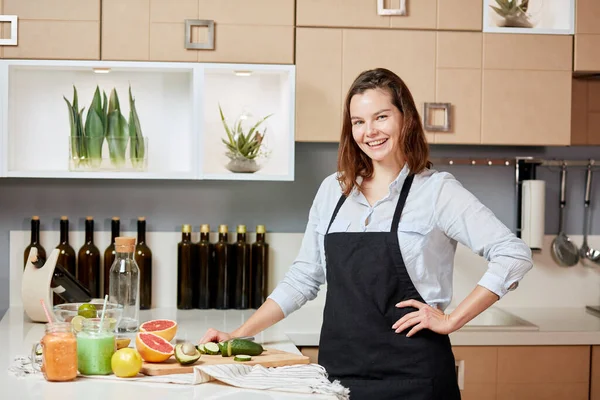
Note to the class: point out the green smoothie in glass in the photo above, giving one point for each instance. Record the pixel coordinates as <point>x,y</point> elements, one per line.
<point>95,347</point>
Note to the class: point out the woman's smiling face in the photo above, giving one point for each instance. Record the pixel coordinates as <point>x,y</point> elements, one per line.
<point>376,125</point>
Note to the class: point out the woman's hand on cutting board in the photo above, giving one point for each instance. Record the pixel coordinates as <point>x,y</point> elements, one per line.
<point>425,317</point>
<point>213,335</point>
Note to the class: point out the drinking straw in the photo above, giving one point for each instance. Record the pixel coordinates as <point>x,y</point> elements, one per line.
<point>103,311</point>
<point>46,311</point>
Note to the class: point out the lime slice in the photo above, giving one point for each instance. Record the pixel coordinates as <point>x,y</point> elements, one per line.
<point>77,323</point>
<point>87,310</point>
<point>112,323</point>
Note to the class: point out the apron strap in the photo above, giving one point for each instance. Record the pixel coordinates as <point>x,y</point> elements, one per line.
<point>401,201</point>
<point>337,208</point>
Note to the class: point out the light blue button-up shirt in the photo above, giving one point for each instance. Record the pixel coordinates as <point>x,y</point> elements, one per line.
<point>439,213</point>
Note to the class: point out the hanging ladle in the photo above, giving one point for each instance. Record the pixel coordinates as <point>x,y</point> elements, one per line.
<point>586,253</point>
<point>564,252</point>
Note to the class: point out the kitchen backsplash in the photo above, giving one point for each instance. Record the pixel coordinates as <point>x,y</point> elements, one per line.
<point>546,285</point>
<point>283,206</point>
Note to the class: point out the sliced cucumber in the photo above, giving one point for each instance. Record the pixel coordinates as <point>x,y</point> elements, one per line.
<point>200,348</point>
<point>183,358</point>
<point>211,348</point>
<point>242,357</point>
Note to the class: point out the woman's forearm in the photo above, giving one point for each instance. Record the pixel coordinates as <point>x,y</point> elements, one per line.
<point>475,303</point>
<point>267,315</point>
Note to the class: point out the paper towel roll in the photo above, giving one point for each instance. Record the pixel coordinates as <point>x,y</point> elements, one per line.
<point>533,207</point>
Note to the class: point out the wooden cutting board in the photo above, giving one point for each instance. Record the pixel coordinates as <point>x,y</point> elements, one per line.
<point>269,358</point>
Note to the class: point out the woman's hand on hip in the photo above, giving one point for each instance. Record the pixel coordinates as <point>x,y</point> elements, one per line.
<point>425,317</point>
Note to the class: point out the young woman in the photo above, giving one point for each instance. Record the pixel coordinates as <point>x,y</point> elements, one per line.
<point>382,233</point>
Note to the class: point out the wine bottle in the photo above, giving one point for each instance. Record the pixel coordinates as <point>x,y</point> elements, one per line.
<point>64,284</point>
<point>205,251</point>
<point>260,268</point>
<point>240,256</point>
<point>223,300</point>
<point>185,269</point>
<point>109,253</point>
<point>66,256</point>
<point>143,258</point>
<point>35,241</point>
<point>88,261</point>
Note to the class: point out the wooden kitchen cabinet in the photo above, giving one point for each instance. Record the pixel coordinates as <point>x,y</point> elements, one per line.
<point>458,82</point>
<point>543,372</point>
<point>244,32</point>
<point>54,29</point>
<point>585,112</point>
<point>526,95</point>
<point>595,374</point>
<point>477,371</point>
<point>318,84</point>
<point>587,36</point>
<point>421,14</point>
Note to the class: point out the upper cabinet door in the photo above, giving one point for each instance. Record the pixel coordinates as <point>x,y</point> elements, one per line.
<point>460,15</point>
<point>419,14</point>
<point>457,116</point>
<point>54,29</point>
<point>318,84</point>
<point>365,13</point>
<point>260,31</point>
<point>526,89</point>
<point>587,36</point>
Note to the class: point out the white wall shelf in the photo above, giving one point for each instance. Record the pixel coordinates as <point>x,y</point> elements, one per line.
<point>177,104</point>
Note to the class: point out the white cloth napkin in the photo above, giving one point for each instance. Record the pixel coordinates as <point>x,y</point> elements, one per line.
<point>305,378</point>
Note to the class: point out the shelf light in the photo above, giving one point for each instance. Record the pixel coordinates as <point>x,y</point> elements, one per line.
<point>99,70</point>
<point>242,73</point>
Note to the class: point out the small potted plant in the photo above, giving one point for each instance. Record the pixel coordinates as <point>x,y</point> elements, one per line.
<point>514,13</point>
<point>245,147</point>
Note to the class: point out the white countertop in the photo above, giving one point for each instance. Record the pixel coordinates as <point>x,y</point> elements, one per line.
<point>18,334</point>
<point>556,326</point>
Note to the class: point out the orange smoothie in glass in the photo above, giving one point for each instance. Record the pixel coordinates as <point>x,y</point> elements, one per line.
<point>59,357</point>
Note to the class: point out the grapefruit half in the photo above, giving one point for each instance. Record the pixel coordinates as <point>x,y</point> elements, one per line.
<point>153,348</point>
<point>165,328</point>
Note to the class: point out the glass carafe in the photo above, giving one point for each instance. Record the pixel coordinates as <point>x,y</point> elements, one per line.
<point>124,284</point>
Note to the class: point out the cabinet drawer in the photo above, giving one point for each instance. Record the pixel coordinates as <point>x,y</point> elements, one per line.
<point>477,366</point>
<point>364,13</point>
<point>513,51</point>
<point>54,29</point>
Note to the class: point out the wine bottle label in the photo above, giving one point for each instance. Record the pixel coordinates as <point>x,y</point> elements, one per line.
<point>59,289</point>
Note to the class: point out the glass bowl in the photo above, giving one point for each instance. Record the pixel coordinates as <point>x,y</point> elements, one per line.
<point>65,312</point>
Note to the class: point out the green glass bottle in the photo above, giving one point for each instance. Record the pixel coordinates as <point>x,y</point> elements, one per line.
<point>240,259</point>
<point>143,258</point>
<point>88,261</point>
<point>223,300</point>
<point>205,251</point>
<point>35,241</point>
<point>259,267</point>
<point>109,253</point>
<point>66,255</point>
<point>185,269</point>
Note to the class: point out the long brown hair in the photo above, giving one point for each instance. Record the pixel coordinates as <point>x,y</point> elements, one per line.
<point>352,161</point>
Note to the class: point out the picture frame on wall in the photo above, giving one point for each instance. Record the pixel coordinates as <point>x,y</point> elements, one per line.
<point>553,17</point>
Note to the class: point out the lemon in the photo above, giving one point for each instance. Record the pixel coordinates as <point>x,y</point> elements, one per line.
<point>87,310</point>
<point>77,323</point>
<point>126,362</point>
<point>122,342</point>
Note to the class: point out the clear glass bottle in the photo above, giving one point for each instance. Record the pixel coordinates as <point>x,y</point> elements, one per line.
<point>124,285</point>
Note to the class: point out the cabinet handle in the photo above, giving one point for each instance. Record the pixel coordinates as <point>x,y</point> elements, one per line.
<point>460,373</point>
<point>12,41</point>
<point>381,10</point>
<point>210,43</point>
<point>447,117</point>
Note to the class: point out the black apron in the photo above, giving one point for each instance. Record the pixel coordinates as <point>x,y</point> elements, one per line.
<point>366,277</point>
